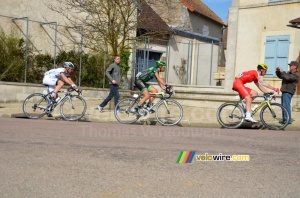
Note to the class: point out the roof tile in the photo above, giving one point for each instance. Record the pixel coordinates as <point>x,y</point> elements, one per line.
<point>297,20</point>
<point>148,19</point>
<point>199,7</point>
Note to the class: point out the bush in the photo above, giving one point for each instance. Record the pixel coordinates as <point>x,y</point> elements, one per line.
<point>12,60</point>
<point>13,63</point>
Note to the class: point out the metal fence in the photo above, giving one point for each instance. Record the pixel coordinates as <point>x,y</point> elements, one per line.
<point>42,36</point>
<point>188,62</point>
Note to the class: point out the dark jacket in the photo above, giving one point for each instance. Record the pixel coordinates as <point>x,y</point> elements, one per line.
<point>289,81</point>
<point>113,72</point>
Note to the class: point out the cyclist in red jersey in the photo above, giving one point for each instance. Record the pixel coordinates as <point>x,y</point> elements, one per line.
<point>249,94</point>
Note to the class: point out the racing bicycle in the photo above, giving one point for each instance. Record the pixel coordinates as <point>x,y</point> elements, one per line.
<point>232,115</point>
<point>72,107</point>
<point>167,112</point>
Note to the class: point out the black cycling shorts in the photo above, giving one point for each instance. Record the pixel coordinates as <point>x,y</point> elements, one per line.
<point>142,86</point>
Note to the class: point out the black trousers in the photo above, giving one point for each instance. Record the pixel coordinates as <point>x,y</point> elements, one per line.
<point>114,92</point>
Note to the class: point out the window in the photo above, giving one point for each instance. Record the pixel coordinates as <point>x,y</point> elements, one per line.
<point>205,30</point>
<point>149,60</point>
<point>277,51</point>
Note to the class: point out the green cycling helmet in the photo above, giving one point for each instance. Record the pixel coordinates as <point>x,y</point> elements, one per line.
<point>160,63</point>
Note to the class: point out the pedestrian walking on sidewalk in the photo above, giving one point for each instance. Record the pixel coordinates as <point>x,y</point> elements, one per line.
<point>113,72</point>
<point>288,86</point>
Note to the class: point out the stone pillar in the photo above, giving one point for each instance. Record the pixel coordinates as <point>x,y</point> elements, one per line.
<point>231,44</point>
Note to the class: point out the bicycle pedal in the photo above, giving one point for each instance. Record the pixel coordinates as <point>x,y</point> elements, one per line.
<point>151,111</point>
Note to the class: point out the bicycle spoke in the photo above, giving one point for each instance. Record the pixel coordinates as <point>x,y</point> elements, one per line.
<point>34,106</point>
<point>169,112</point>
<point>273,119</point>
<point>230,115</point>
<point>124,111</point>
<point>73,108</point>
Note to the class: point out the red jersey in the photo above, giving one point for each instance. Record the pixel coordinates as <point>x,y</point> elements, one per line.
<point>248,76</point>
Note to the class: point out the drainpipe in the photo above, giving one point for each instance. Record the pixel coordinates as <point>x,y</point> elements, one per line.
<point>211,61</point>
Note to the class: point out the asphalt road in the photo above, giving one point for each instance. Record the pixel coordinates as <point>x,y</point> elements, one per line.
<point>48,158</point>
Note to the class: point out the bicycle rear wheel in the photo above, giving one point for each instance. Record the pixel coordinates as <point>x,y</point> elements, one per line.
<point>230,115</point>
<point>168,112</point>
<point>273,118</point>
<point>73,108</point>
<point>34,106</point>
<point>124,111</point>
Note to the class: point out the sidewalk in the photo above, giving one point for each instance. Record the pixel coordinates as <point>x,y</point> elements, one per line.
<point>193,116</point>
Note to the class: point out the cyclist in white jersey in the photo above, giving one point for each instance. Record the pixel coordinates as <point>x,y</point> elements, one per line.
<point>56,78</point>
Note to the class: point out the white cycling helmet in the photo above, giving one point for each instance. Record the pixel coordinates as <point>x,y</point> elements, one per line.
<point>69,65</point>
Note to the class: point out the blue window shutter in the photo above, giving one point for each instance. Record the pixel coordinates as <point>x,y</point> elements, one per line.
<point>277,51</point>
<point>270,54</point>
<point>283,50</point>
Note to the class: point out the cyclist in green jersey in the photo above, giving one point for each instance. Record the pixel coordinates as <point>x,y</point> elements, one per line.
<point>143,77</point>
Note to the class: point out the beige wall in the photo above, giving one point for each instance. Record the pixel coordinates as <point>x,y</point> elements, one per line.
<point>174,13</point>
<point>200,25</point>
<point>252,2</point>
<point>42,37</point>
<point>254,23</point>
<point>201,61</point>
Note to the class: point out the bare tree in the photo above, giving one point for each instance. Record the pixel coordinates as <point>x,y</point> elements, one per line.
<point>111,23</point>
<point>106,24</point>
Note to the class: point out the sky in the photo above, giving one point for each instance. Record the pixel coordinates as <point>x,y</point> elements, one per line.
<point>220,7</point>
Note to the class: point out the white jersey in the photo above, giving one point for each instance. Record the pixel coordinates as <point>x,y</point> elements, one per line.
<point>55,73</point>
<point>52,76</point>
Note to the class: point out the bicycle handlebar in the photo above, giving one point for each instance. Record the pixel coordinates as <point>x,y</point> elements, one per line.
<point>169,90</point>
<point>270,96</point>
<point>70,89</point>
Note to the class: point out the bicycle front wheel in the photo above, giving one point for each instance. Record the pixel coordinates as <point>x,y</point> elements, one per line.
<point>124,111</point>
<point>73,108</point>
<point>34,106</point>
<point>230,116</point>
<point>272,118</point>
<point>168,112</point>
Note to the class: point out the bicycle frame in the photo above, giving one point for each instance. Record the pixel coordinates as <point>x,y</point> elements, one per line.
<point>271,113</point>
<point>72,107</point>
<point>263,103</point>
<point>162,97</point>
<point>67,95</point>
<point>166,111</point>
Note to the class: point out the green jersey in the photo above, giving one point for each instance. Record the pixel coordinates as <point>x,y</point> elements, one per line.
<point>147,74</point>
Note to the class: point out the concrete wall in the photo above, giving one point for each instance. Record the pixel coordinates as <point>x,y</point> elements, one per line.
<point>205,27</point>
<point>205,96</point>
<point>194,62</point>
